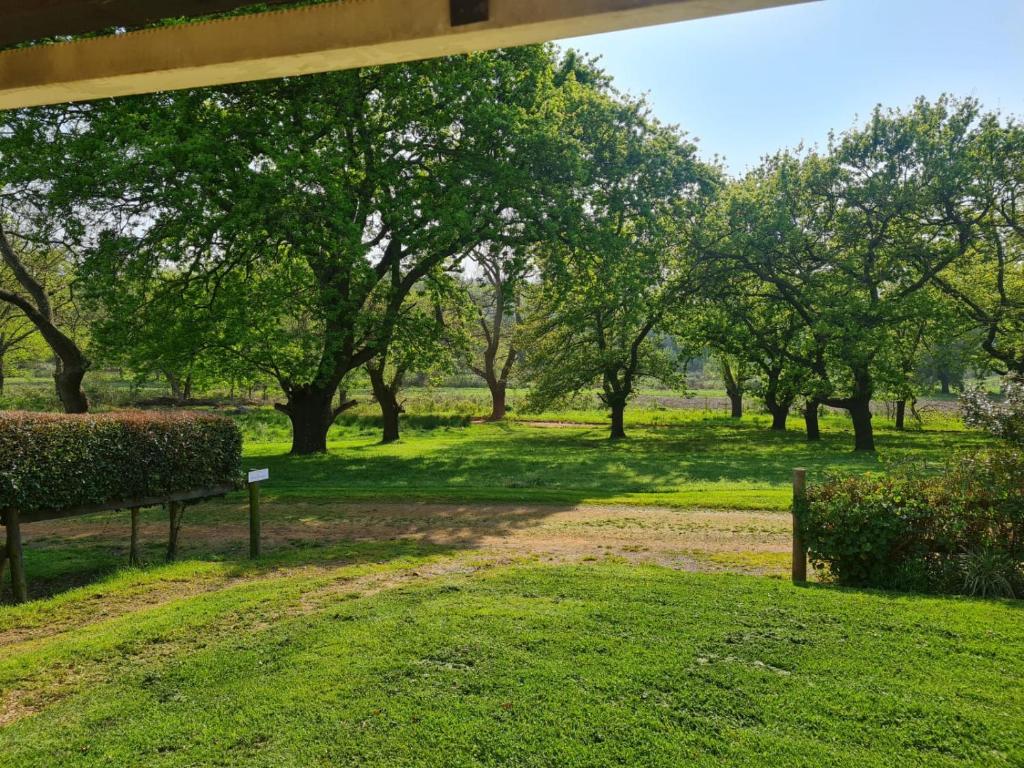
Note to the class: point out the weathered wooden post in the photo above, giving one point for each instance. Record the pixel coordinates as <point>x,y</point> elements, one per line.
<point>15,555</point>
<point>3,566</point>
<point>256,477</point>
<point>133,548</point>
<point>174,512</point>
<point>799,550</point>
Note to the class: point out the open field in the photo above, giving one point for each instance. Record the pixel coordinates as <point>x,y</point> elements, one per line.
<point>509,594</point>
<point>710,462</point>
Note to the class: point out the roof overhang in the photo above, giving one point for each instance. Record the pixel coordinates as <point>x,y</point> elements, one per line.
<point>290,41</point>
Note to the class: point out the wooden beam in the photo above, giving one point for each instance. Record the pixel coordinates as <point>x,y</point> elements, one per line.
<point>316,38</point>
<point>23,22</point>
<point>146,501</point>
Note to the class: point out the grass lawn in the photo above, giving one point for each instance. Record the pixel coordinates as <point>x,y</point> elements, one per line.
<point>695,460</point>
<point>512,665</point>
<point>515,620</point>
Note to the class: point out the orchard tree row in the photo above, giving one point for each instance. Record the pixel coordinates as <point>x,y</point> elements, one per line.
<point>510,212</point>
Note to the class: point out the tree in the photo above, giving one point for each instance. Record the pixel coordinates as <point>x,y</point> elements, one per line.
<point>496,294</point>
<point>17,333</point>
<point>31,295</point>
<point>988,282</point>
<point>622,261</point>
<point>421,342</point>
<point>848,239</point>
<point>748,325</point>
<point>288,207</point>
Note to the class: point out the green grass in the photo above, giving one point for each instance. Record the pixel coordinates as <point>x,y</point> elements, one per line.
<point>403,652</point>
<point>694,460</point>
<point>592,665</point>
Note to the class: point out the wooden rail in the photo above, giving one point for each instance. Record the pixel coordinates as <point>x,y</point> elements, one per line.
<point>12,520</point>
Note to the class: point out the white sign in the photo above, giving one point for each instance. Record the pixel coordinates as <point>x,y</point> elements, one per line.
<point>256,475</point>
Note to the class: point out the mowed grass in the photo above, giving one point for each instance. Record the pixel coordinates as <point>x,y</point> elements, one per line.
<point>521,665</point>
<point>696,460</point>
<point>401,652</point>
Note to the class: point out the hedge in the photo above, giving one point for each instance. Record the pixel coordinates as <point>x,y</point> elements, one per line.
<point>960,530</point>
<point>59,462</point>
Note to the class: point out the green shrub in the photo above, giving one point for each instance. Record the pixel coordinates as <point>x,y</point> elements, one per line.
<point>958,531</point>
<point>54,462</point>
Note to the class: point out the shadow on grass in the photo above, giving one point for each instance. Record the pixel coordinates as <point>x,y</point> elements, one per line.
<point>899,595</point>
<point>573,464</point>
<point>68,554</point>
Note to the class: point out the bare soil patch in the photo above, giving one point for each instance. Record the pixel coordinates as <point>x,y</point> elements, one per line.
<point>689,538</point>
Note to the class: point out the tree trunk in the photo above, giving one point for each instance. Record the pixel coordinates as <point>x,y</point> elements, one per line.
<point>863,433</point>
<point>734,390</point>
<point>309,409</point>
<point>387,398</point>
<point>901,414</point>
<point>497,399</point>
<point>186,392</point>
<point>618,431</point>
<point>68,380</point>
<point>779,409</point>
<point>811,420</point>
<point>2,378</point>
<point>780,413</point>
<point>736,403</point>
<point>175,384</point>
<point>944,382</point>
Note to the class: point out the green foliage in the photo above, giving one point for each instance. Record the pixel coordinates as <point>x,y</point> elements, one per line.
<point>958,531</point>
<point>621,261</point>
<point>52,462</point>
<point>849,241</point>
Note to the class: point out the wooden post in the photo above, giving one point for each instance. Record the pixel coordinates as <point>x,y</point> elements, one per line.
<point>133,549</point>
<point>799,550</point>
<point>3,566</point>
<point>254,520</point>
<point>174,513</point>
<point>15,555</point>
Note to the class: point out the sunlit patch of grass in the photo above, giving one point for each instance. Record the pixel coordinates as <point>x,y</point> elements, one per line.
<point>595,664</point>
<point>693,462</point>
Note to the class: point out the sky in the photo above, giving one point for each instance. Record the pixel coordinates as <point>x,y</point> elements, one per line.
<point>748,84</point>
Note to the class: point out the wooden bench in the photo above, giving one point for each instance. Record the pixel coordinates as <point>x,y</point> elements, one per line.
<point>12,521</point>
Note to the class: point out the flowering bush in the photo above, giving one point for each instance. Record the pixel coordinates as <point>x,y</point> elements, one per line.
<point>1003,419</point>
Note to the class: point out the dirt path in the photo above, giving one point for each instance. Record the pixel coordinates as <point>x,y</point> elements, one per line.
<point>748,541</point>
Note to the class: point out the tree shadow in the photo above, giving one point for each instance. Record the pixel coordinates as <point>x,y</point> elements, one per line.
<point>67,554</point>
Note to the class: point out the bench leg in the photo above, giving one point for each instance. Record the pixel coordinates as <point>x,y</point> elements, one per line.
<point>133,549</point>
<point>14,554</point>
<point>174,512</point>
<point>3,567</point>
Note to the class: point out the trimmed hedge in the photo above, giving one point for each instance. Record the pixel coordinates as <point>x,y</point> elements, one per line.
<point>958,531</point>
<point>55,462</point>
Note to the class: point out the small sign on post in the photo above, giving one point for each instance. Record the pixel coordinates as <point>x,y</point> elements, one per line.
<point>256,476</point>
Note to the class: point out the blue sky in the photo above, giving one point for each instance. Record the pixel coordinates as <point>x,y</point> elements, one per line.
<point>751,83</point>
